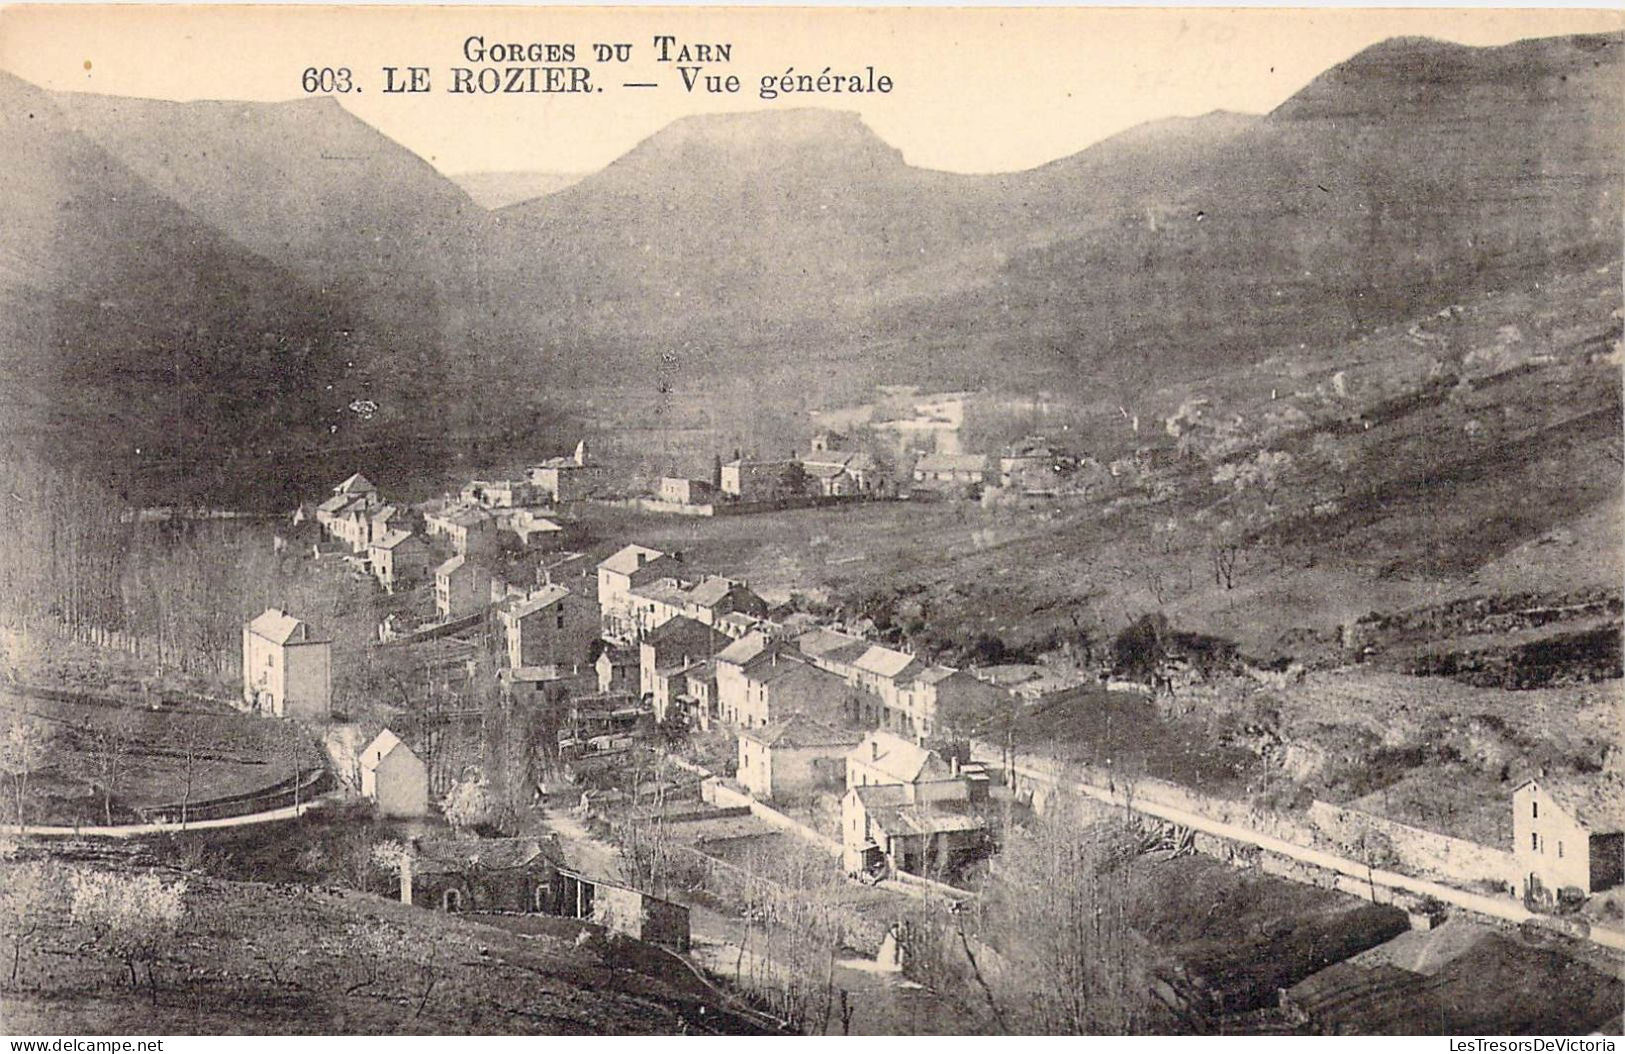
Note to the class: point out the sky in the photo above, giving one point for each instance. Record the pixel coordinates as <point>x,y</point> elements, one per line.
<point>974,90</point>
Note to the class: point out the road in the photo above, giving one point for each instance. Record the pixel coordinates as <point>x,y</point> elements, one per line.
<point>134,830</point>
<point>1495,907</point>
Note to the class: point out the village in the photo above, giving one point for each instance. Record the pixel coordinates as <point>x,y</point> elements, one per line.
<point>631,741</point>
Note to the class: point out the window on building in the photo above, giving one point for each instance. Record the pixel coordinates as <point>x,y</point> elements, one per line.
<point>1534,810</point>
<point>1534,842</point>
<point>1560,850</point>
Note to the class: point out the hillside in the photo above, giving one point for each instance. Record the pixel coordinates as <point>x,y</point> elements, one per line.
<point>135,333</point>
<point>303,184</point>
<point>254,958</point>
<point>794,248</point>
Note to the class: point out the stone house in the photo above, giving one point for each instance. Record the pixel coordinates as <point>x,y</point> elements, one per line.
<point>794,757</point>
<point>669,651</point>
<point>500,875</point>
<point>884,830</point>
<point>779,683</point>
<point>953,473</point>
<point>750,480</point>
<point>550,626</point>
<point>1569,835</point>
<point>394,777</point>
<point>287,669</point>
<point>573,478</point>
<point>461,587</point>
<point>680,490</point>
<point>399,559</point>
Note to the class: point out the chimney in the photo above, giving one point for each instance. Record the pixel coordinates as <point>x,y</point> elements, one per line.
<point>953,765</point>
<point>641,558</point>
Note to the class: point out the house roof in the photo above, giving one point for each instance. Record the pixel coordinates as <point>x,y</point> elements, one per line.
<point>936,674</point>
<point>337,503</point>
<point>897,758</point>
<point>665,590</point>
<point>822,642</point>
<point>445,856</point>
<point>800,732</point>
<point>1596,801</point>
<point>779,670</point>
<point>544,597</point>
<point>712,590</point>
<point>933,818</point>
<point>682,632</point>
<point>884,662</point>
<point>384,512</point>
<point>392,539</point>
<point>384,744</point>
<point>354,484</point>
<point>823,469</point>
<point>451,566</point>
<point>952,463</point>
<point>744,650</point>
<point>625,560</point>
<point>277,626</point>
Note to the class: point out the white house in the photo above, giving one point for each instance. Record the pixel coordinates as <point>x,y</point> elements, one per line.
<point>394,777</point>
<point>287,670</point>
<point>1567,835</point>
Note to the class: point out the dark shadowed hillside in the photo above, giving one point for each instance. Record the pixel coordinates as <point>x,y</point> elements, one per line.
<point>143,340</point>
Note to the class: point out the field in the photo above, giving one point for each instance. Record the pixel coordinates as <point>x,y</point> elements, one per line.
<point>102,758</point>
<point>270,959</point>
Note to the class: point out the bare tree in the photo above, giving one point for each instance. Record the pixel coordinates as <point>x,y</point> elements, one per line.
<point>104,756</point>
<point>24,747</point>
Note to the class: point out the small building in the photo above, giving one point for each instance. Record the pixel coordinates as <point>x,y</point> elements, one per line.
<point>287,669</point>
<point>461,587</point>
<point>531,527</point>
<point>946,689</point>
<point>394,777</point>
<point>750,480</point>
<point>399,559</point>
<point>501,875</point>
<point>707,599</point>
<point>470,529</point>
<point>624,910</point>
<point>1569,835</point>
<point>953,473</point>
<point>680,490</point>
<point>843,473</point>
<point>794,757</point>
<point>573,478</point>
<point>550,626</point>
<point>884,831</point>
<point>696,696</point>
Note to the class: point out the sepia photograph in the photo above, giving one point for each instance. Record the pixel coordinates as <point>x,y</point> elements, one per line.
<point>791,522</point>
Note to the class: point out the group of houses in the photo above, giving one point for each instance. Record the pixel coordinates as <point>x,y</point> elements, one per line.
<point>1033,466</point>
<point>830,469</point>
<point>798,697</point>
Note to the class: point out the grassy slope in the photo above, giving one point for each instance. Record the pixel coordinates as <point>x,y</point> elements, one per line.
<point>255,958</point>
